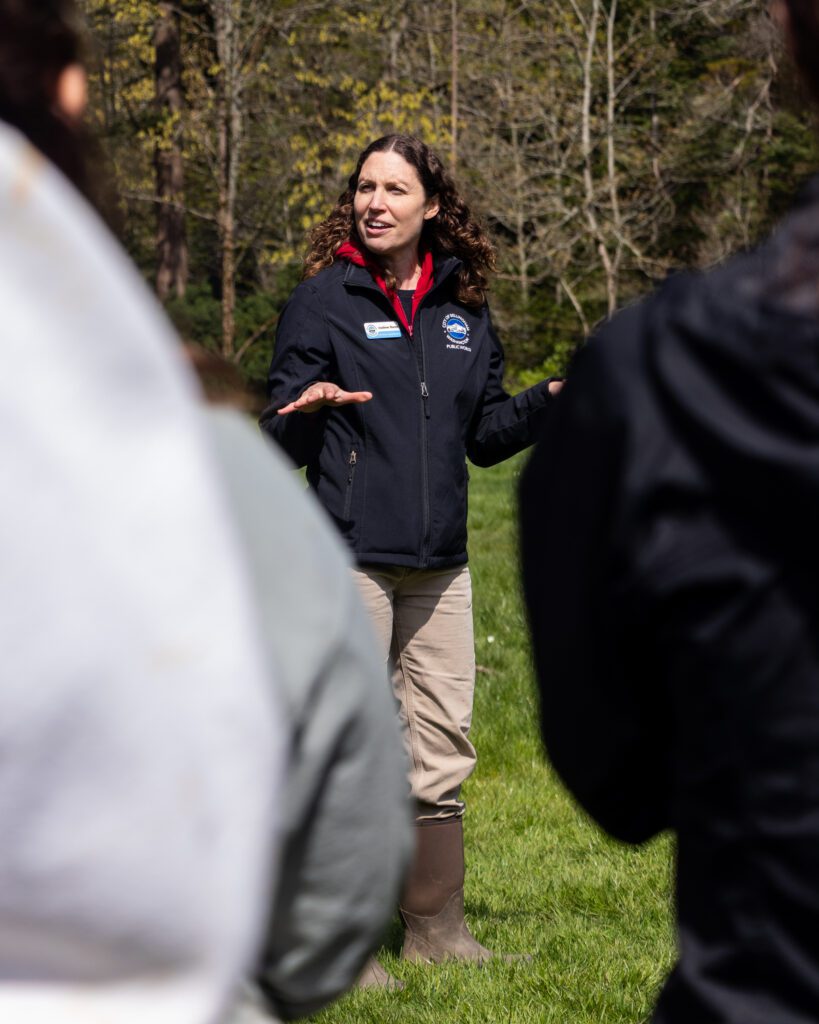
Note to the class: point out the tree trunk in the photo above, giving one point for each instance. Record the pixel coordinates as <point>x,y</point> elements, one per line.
<point>171,239</point>
<point>227,15</point>
<point>520,216</point>
<point>454,91</point>
<point>655,117</point>
<point>613,265</point>
<point>595,230</point>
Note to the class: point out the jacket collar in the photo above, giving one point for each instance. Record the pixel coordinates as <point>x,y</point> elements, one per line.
<point>359,277</point>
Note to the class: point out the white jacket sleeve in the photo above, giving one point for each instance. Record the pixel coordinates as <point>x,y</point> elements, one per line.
<point>136,719</point>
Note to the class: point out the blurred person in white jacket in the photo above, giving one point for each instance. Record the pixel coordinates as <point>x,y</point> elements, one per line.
<point>141,743</point>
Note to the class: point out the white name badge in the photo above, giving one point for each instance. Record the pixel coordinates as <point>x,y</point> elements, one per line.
<point>383,329</point>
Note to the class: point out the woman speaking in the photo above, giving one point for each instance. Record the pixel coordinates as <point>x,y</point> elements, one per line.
<point>387,375</point>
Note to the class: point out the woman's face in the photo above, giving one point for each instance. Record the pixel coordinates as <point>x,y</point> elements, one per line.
<point>390,206</point>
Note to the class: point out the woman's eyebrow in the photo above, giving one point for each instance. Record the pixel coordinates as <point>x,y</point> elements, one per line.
<point>387,184</point>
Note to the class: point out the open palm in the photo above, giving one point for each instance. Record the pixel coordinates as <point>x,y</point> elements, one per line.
<point>321,394</point>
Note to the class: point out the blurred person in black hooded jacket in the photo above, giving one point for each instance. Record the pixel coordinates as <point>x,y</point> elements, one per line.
<point>669,520</point>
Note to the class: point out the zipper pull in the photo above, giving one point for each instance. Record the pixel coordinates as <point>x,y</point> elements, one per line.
<point>353,457</point>
<point>425,396</point>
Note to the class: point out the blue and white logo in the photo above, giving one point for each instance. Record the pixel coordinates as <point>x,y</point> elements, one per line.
<point>456,329</point>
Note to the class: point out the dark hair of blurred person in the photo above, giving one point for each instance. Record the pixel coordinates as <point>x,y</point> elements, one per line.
<point>671,572</point>
<point>43,83</point>
<point>802,25</point>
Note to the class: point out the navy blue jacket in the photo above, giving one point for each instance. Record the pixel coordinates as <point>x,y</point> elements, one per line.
<point>392,472</point>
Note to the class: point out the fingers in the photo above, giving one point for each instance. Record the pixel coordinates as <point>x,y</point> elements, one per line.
<point>321,394</point>
<point>312,398</point>
<point>285,409</point>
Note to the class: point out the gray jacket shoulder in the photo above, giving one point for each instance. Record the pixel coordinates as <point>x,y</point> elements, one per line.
<point>348,832</point>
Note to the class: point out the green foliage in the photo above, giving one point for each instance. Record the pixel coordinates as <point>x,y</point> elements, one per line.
<point>709,141</point>
<point>540,336</point>
<point>198,318</point>
<point>556,364</point>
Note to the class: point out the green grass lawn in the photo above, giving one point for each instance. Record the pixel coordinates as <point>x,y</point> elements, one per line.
<point>540,877</point>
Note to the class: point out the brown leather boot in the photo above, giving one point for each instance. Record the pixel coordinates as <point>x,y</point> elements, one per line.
<point>432,904</point>
<point>373,975</point>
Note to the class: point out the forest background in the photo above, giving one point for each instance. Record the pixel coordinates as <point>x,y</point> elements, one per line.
<point>603,143</point>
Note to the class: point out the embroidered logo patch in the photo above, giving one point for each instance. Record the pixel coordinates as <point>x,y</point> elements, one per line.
<point>456,330</point>
<point>382,329</point>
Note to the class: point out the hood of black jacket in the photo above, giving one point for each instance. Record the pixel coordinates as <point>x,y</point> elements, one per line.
<point>735,355</point>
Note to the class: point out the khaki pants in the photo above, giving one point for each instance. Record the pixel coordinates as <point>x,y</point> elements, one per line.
<point>423,620</point>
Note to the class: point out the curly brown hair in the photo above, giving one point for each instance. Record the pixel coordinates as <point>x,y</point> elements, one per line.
<point>452,232</point>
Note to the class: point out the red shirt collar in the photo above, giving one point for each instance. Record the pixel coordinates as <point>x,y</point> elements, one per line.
<point>352,252</point>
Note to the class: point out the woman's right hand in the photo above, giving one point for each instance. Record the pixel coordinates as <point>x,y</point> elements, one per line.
<point>324,393</point>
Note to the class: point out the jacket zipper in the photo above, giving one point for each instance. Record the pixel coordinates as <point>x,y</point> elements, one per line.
<point>352,462</point>
<point>422,375</point>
